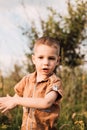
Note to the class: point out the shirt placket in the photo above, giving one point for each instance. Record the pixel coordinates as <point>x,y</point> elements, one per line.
<point>31,111</point>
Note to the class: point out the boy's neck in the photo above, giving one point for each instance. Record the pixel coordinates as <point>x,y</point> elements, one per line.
<point>40,77</point>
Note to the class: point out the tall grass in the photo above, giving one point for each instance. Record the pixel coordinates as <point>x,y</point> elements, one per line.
<point>74,106</point>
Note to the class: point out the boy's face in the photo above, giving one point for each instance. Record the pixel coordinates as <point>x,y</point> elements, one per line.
<point>45,59</point>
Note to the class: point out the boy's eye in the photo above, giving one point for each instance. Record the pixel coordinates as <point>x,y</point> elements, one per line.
<point>51,58</point>
<point>40,57</point>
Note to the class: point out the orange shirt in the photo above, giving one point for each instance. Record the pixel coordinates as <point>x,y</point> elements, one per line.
<point>34,118</point>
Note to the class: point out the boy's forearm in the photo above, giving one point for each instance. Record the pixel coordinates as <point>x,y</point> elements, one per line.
<point>9,102</point>
<point>32,102</point>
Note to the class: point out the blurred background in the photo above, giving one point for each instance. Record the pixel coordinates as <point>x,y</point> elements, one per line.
<point>21,23</point>
<point>15,17</point>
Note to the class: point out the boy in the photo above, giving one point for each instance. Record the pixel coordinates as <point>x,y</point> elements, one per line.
<point>40,92</point>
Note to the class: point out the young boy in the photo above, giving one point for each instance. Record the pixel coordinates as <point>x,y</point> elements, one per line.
<point>40,92</point>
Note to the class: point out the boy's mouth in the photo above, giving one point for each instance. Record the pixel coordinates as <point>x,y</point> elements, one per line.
<point>45,68</point>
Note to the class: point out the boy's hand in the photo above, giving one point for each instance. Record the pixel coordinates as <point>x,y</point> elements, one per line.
<point>7,103</point>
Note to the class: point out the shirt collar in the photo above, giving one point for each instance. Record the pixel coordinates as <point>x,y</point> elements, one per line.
<point>51,78</point>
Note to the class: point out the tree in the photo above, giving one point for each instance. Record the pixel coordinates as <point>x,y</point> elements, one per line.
<point>70,29</point>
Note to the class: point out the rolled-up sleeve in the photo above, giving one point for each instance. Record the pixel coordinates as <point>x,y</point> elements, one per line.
<point>56,86</point>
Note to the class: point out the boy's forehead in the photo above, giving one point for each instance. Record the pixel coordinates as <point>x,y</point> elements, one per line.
<point>42,47</point>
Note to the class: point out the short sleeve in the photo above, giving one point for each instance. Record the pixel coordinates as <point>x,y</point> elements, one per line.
<point>58,89</point>
<point>19,87</point>
<point>56,86</point>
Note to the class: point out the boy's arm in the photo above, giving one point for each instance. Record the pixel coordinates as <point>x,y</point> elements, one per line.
<point>41,103</point>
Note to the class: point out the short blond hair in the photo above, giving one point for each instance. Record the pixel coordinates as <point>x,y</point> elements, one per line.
<point>49,41</point>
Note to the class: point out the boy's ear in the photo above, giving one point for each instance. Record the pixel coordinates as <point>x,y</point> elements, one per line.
<point>33,59</point>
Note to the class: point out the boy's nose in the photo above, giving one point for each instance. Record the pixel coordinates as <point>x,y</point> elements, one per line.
<point>46,62</point>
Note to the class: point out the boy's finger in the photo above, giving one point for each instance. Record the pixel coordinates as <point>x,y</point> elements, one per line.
<point>3,109</point>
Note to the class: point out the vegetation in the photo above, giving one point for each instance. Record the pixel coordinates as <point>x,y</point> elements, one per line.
<point>10,120</point>
<point>74,107</point>
<point>71,31</point>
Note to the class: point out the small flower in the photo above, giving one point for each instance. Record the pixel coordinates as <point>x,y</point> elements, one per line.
<point>73,115</point>
<point>79,122</point>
